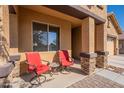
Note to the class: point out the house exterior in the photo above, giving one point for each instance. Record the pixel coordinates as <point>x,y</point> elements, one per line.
<point>113,32</point>
<point>121,43</point>
<point>82,30</point>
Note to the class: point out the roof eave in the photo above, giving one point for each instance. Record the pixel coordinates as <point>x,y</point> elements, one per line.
<point>117,26</point>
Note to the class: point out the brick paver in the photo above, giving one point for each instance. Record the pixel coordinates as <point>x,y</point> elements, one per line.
<point>96,81</point>
<point>115,69</point>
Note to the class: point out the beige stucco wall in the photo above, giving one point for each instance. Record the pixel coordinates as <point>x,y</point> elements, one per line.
<point>76,42</point>
<point>101,30</point>
<point>121,48</point>
<point>94,37</point>
<point>94,9</point>
<point>25,42</point>
<point>25,31</point>
<point>26,17</point>
<point>4,14</point>
<point>84,37</point>
<point>5,20</point>
<point>13,31</point>
<point>13,28</point>
<point>101,37</point>
<point>111,30</point>
<point>88,34</point>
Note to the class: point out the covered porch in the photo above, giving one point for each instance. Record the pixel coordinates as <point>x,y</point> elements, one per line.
<point>83,36</point>
<point>59,25</point>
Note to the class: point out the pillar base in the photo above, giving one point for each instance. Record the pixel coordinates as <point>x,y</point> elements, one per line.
<point>88,62</point>
<point>102,59</point>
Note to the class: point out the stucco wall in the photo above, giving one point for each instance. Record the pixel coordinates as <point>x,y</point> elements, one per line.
<point>25,19</point>
<point>25,31</point>
<point>4,14</point>
<point>13,28</point>
<point>94,9</point>
<point>111,30</point>
<point>88,34</point>
<point>5,17</point>
<point>76,42</point>
<point>121,48</point>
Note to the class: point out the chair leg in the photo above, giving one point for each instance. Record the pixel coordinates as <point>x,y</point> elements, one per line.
<point>67,69</point>
<point>43,80</point>
<point>64,69</point>
<point>32,79</point>
<point>50,73</point>
<point>38,80</point>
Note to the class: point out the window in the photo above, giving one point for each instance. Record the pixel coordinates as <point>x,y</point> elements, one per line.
<point>45,37</point>
<point>53,38</point>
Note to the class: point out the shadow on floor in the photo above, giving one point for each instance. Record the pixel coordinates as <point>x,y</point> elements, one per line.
<point>76,61</point>
<point>76,70</point>
<point>120,55</point>
<point>27,77</point>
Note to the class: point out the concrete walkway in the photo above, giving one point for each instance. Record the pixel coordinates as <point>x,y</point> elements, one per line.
<point>62,80</point>
<point>117,60</point>
<point>105,78</point>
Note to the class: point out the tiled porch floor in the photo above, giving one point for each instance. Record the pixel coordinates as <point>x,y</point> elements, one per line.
<point>64,80</point>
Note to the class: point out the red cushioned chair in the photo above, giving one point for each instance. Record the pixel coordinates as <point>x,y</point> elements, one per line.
<point>65,60</point>
<point>35,65</point>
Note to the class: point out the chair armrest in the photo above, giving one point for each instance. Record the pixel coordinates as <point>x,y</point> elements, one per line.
<point>48,63</point>
<point>72,59</point>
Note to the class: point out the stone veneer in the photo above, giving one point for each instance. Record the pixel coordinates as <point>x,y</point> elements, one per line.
<point>88,62</point>
<point>102,59</point>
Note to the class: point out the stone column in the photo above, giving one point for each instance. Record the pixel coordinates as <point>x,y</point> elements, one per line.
<point>88,62</point>
<point>88,57</point>
<point>102,59</point>
<point>101,45</point>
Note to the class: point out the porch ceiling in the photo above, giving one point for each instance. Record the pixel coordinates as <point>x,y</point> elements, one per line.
<point>73,14</point>
<point>76,11</point>
<point>51,12</point>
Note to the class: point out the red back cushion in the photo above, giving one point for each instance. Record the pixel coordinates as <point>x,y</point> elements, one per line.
<point>33,58</point>
<point>63,54</point>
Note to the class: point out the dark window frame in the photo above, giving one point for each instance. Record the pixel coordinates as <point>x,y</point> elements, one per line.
<point>48,25</point>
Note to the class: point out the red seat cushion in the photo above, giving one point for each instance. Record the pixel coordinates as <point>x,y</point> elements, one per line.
<point>33,58</point>
<point>67,63</point>
<point>64,58</point>
<point>42,69</point>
